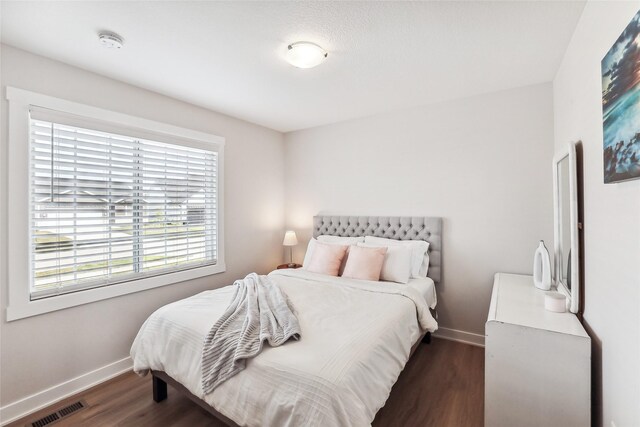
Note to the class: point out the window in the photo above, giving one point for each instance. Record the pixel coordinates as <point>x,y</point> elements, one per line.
<point>111,207</point>
<point>108,208</point>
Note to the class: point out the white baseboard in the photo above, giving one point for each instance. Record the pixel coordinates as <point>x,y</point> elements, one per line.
<point>460,336</point>
<point>42,399</point>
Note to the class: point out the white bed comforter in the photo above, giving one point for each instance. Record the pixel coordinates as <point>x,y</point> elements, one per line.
<point>356,339</point>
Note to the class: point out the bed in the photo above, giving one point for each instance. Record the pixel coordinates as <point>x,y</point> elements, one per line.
<point>356,338</point>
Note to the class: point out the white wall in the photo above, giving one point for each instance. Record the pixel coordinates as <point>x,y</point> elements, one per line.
<point>611,218</point>
<point>43,351</point>
<point>482,163</point>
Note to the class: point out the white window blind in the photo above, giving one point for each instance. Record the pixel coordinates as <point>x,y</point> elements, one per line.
<point>108,208</point>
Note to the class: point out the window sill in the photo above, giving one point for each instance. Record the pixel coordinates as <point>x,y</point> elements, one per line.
<point>23,309</point>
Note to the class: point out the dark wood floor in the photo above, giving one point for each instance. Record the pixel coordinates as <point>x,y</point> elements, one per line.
<point>442,385</point>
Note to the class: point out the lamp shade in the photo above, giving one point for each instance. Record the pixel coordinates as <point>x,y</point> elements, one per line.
<point>290,239</point>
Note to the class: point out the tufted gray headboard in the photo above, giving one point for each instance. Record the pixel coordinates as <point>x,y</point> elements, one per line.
<point>390,227</point>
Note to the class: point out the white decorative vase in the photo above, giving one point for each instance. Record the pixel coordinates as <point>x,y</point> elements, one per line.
<point>542,268</point>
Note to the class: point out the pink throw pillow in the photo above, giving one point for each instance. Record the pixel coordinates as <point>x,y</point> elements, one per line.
<point>364,263</point>
<point>326,258</point>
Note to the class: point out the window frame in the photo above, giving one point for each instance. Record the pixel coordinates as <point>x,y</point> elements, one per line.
<point>20,304</point>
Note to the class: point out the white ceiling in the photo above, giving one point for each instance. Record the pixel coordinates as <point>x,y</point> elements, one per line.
<point>228,56</point>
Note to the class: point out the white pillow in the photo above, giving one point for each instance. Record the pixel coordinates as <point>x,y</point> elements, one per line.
<point>424,268</point>
<point>332,240</point>
<point>325,238</point>
<point>418,250</point>
<point>397,262</point>
<point>307,256</point>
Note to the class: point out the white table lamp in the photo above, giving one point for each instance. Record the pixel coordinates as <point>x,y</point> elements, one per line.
<point>290,240</point>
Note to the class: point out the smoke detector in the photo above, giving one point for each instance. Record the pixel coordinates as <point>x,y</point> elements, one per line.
<point>110,40</point>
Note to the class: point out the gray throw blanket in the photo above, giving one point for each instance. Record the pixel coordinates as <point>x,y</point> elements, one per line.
<point>258,312</point>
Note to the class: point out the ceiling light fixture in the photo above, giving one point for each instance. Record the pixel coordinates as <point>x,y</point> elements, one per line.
<point>111,40</point>
<point>305,54</point>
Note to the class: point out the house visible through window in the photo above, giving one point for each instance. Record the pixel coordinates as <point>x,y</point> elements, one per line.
<point>107,208</point>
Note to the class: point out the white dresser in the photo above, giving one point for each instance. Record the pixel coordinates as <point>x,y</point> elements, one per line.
<point>537,363</point>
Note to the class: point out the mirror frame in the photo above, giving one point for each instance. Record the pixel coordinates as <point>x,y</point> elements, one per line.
<point>574,293</point>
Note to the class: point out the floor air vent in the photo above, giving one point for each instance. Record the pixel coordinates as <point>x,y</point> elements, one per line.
<point>59,414</point>
<point>46,420</point>
<point>71,409</point>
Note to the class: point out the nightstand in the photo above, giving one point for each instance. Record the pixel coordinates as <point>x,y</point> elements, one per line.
<point>281,266</point>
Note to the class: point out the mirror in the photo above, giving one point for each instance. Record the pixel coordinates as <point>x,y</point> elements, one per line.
<point>564,222</point>
<point>566,226</point>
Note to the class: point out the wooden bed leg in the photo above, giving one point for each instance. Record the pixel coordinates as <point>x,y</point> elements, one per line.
<point>427,338</point>
<point>159,389</point>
